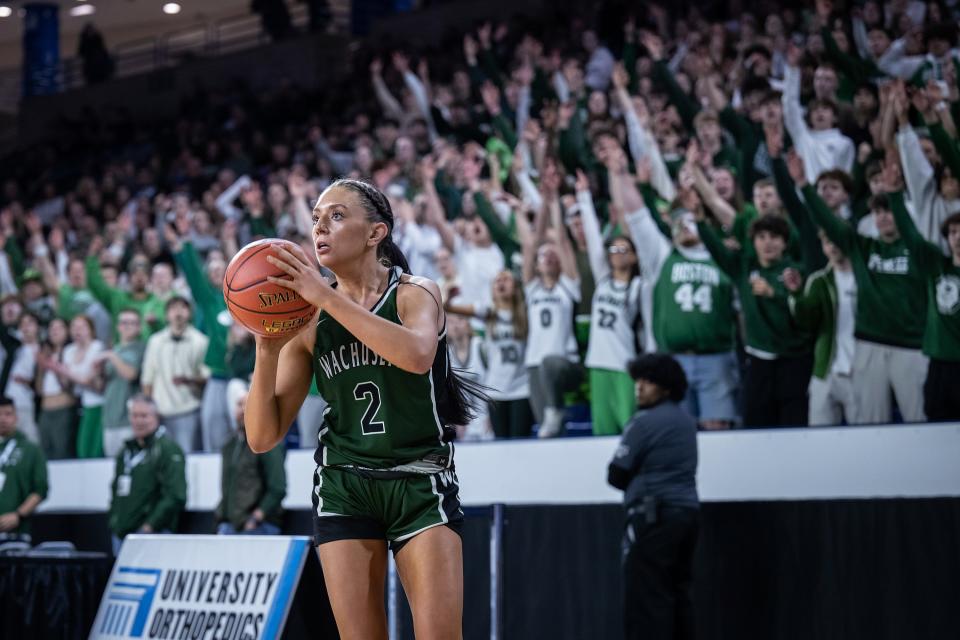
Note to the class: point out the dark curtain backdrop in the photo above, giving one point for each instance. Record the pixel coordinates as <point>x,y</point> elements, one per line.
<point>817,570</point>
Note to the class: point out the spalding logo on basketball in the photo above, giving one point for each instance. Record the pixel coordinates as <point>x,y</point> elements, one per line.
<point>264,308</point>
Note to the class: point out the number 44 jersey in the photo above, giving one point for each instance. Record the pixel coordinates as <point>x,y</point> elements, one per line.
<point>692,307</point>
<point>379,416</point>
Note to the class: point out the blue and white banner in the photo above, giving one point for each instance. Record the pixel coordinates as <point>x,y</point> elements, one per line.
<point>205,587</point>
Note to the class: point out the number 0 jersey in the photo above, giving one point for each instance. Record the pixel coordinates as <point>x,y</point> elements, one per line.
<point>550,315</point>
<point>379,416</point>
<point>614,312</point>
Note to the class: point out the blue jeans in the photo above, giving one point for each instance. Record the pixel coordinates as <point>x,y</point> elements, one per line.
<point>262,529</point>
<point>713,380</point>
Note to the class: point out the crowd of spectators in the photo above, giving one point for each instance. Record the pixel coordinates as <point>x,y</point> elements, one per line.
<point>770,197</point>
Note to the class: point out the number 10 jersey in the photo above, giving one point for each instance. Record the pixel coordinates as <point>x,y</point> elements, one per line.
<point>379,416</point>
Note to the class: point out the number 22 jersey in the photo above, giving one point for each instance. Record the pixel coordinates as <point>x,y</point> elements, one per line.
<point>613,316</point>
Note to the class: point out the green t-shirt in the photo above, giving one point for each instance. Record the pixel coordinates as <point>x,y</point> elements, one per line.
<point>692,306</point>
<point>24,470</point>
<point>379,415</point>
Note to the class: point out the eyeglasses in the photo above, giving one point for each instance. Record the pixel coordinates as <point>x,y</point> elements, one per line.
<point>614,249</point>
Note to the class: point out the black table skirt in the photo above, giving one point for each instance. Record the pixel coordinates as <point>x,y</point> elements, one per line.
<point>51,598</point>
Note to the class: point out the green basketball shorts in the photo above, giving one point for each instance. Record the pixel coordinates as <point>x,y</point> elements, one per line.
<point>349,505</point>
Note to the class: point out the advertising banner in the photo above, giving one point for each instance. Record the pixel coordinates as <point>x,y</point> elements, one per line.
<point>165,587</point>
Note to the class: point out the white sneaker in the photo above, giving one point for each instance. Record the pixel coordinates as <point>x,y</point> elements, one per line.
<point>552,423</point>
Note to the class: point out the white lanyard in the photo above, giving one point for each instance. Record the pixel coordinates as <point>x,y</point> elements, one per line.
<point>7,452</point>
<point>130,463</point>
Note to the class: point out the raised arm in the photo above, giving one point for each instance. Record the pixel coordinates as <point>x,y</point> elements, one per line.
<point>793,114</point>
<point>281,379</point>
<point>924,252</point>
<point>435,212</point>
<point>591,229</point>
<point>568,259</point>
<point>642,144</point>
<point>225,200</point>
<point>391,107</point>
<point>418,89</point>
<point>724,212</point>
<point>726,259</point>
<point>838,230</point>
<point>652,246</point>
<point>786,180</point>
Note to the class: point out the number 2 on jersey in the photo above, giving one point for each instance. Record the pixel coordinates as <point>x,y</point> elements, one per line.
<point>371,393</point>
<point>688,299</point>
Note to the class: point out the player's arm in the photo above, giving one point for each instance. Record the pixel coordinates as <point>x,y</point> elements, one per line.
<point>280,382</point>
<point>410,346</point>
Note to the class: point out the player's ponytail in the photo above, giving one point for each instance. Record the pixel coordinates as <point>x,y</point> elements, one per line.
<point>378,209</point>
<point>457,396</point>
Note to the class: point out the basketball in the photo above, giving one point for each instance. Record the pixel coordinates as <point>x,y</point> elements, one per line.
<point>264,308</point>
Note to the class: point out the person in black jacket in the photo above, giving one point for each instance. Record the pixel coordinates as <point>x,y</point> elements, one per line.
<point>655,466</point>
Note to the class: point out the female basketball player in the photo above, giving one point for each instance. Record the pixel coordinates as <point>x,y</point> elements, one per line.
<point>614,315</point>
<point>385,474</point>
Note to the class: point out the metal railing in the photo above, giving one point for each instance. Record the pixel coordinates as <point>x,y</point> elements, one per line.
<point>219,37</point>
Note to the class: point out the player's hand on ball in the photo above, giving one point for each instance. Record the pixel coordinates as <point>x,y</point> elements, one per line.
<point>304,277</point>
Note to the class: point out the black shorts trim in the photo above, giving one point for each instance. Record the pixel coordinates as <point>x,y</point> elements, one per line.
<point>333,528</point>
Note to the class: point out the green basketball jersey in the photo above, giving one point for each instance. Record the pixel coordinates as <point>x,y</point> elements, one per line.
<point>692,307</point>
<point>379,416</point>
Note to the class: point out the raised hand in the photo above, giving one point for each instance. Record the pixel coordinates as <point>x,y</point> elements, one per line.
<point>620,76</point>
<point>95,246</point>
<point>653,44</point>
<point>583,183</point>
<point>296,185</point>
<point>401,62</point>
<point>484,33</point>
<point>773,132</point>
<point>376,67</point>
<point>795,167</point>
<point>172,237</point>
<point>470,49</point>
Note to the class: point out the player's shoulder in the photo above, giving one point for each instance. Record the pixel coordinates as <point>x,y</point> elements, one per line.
<point>417,282</point>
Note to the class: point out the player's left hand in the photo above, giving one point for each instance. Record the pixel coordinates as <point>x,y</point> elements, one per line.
<point>303,276</point>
